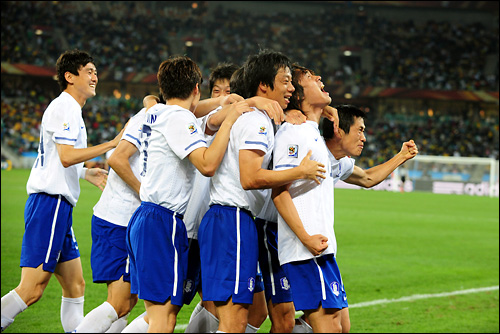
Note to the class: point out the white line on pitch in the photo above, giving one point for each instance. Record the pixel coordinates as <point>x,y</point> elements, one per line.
<point>402,299</point>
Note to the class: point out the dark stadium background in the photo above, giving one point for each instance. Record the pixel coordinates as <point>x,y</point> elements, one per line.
<point>426,70</point>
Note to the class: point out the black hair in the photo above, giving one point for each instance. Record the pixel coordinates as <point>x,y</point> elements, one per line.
<point>71,61</point>
<point>347,115</point>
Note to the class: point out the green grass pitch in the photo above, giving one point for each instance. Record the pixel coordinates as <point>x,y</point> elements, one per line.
<point>390,246</point>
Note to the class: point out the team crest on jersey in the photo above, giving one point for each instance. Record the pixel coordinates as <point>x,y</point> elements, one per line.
<point>66,127</point>
<point>293,151</point>
<point>335,288</point>
<point>192,128</point>
<point>251,284</point>
<point>188,286</point>
<point>284,283</point>
<point>262,130</point>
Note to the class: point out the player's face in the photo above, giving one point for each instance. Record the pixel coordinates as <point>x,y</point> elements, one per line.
<point>313,90</point>
<point>86,81</point>
<point>221,88</point>
<point>283,88</point>
<point>354,141</point>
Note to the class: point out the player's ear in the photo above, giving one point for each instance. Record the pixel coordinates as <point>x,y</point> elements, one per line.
<point>263,87</point>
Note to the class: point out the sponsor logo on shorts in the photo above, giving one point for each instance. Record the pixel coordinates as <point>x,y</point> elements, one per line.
<point>285,285</point>
<point>293,151</point>
<point>335,286</point>
<point>188,286</point>
<point>251,284</point>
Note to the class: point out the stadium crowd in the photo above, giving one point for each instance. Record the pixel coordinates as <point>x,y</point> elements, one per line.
<point>426,55</point>
<point>404,55</point>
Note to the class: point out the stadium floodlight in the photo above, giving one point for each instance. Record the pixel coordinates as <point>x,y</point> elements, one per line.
<point>454,175</point>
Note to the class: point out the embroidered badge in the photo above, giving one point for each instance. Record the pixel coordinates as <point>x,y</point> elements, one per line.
<point>284,283</point>
<point>293,151</point>
<point>262,130</point>
<point>66,127</point>
<point>188,286</point>
<point>335,288</point>
<point>251,284</point>
<point>192,128</point>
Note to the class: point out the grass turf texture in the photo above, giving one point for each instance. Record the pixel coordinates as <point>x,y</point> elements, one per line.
<point>391,245</point>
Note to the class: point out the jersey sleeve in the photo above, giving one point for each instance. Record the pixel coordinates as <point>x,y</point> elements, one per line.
<point>255,132</point>
<point>64,125</point>
<point>183,134</point>
<point>347,167</point>
<point>288,153</point>
<point>133,130</point>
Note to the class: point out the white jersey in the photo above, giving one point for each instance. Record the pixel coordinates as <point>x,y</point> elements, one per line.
<point>170,133</point>
<point>252,131</point>
<point>341,169</point>
<point>314,202</point>
<point>118,200</point>
<point>199,201</point>
<point>62,123</point>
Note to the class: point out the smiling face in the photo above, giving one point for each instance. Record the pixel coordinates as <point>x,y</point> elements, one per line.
<point>221,88</point>
<point>85,82</point>
<point>353,142</point>
<point>283,88</point>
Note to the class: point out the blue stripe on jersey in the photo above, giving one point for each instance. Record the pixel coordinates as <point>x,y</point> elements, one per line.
<point>196,142</point>
<point>66,138</point>
<point>137,140</point>
<point>285,165</point>
<point>256,142</point>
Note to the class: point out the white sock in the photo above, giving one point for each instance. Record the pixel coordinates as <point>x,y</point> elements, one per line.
<point>196,310</point>
<point>119,324</point>
<point>138,325</point>
<point>12,305</point>
<point>251,329</point>
<point>71,313</point>
<point>203,322</point>
<point>98,320</point>
<point>304,327</point>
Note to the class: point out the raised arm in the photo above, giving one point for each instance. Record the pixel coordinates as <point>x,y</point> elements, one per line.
<point>207,160</point>
<point>119,161</point>
<point>316,244</point>
<point>253,176</point>
<point>373,176</point>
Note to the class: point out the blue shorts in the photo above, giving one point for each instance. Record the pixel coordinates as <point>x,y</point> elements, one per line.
<point>157,244</point>
<point>48,237</point>
<point>311,289</point>
<point>277,286</point>
<point>229,253</point>
<point>109,257</point>
<point>193,279</point>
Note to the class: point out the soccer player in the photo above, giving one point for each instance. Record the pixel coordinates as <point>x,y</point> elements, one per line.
<point>49,245</point>
<point>174,146</point>
<point>227,233</point>
<point>109,258</point>
<point>306,239</point>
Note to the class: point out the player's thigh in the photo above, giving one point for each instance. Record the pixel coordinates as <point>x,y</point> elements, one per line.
<point>345,321</point>
<point>324,320</point>
<point>161,317</point>
<point>70,276</point>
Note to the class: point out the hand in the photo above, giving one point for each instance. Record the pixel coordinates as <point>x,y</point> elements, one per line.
<point>333,115</point>
<point>230,99</point>
<point>271,107</point>
<point>312,169</point>
<point>118,137</point>
<point>97,176</point>
<point>150,100</point>
<point>236,110</point>
<point>294,116</point>
<point>409,149</point>
<point>316,244</point>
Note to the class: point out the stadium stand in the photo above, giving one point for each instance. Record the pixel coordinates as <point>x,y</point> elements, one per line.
<point>431,77</point>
